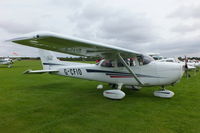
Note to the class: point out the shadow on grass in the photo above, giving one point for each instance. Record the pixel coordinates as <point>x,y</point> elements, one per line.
<point>2,66</point>
<point>144,93</point>
<point>51,86</point>
<point>12,67</point>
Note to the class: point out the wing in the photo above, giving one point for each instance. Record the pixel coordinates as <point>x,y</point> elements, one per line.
<point>72,45</point>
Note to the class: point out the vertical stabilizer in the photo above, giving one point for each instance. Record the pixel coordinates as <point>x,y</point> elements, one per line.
<point>48,59</point>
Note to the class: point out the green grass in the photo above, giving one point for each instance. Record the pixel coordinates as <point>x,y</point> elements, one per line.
<point>55,104</point>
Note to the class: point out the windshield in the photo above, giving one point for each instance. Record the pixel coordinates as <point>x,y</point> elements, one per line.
<point>144,59</point>
<point>157,57</point>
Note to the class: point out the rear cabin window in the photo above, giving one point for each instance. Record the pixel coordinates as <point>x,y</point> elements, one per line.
<point>169,61</point>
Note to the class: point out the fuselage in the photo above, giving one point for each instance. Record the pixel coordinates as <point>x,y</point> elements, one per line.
<point>152,74</point>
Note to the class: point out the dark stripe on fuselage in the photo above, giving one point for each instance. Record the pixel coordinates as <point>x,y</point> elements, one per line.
<point>104,71</point>
<point>51,64</point>
<point>120,74</point>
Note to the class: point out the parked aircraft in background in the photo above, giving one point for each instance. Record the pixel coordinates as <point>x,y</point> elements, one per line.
<point>119,67</point>
<point>196,63</point>
<point>6,61</point>
<point>191,64</point>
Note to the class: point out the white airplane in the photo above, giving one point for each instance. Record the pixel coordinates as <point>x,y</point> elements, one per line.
<point>190,64</point>
<point>194,63</point>
<point>119,67</point>
<point>6,61</point>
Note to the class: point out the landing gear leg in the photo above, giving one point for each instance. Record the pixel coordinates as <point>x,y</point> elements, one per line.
<point>163,88</point>
<point>119,86</point>
<point>163,93</point>
<point>116,86</point>
<point>113,86</point>
<point>132,87</point>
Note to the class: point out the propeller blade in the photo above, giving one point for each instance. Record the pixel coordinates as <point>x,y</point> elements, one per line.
<point>186,67</point>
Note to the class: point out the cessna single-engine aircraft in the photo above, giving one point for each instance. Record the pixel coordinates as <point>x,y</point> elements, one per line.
<point>6,61</point>
<point>119,66</point>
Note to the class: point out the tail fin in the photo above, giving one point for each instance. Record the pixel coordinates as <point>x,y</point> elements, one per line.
<point>48,59</point>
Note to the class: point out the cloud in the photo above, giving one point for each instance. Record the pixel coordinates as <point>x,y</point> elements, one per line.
<point>187,28</point>
<point>177,47</point>
<point>114,26</point>
<point>19,27</point>
<point>186,12</point>
<point>129,24</point>
<point>127,28</point>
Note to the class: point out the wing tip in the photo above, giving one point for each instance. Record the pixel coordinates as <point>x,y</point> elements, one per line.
<point>31,35</point>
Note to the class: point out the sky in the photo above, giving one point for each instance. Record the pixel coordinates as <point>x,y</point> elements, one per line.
<point>170,27</point>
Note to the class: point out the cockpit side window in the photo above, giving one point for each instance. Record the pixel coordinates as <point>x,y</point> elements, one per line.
<point>141,60</point>
<point>129,61</point>
<point>108,63</point>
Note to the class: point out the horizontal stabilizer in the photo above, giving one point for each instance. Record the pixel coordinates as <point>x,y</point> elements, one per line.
<point>39,71</point>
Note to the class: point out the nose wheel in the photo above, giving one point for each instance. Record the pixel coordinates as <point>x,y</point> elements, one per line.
<point>163,93</point>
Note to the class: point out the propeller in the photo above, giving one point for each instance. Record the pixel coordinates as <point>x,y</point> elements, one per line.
<point>186,67</point>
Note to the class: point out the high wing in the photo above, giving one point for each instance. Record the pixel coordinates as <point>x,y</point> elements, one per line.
<point>71,45</point>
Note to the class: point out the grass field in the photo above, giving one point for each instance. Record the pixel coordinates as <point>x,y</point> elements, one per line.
<point>55,104</point>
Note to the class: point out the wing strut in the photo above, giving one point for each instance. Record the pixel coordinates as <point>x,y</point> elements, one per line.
<point>129,69</point>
